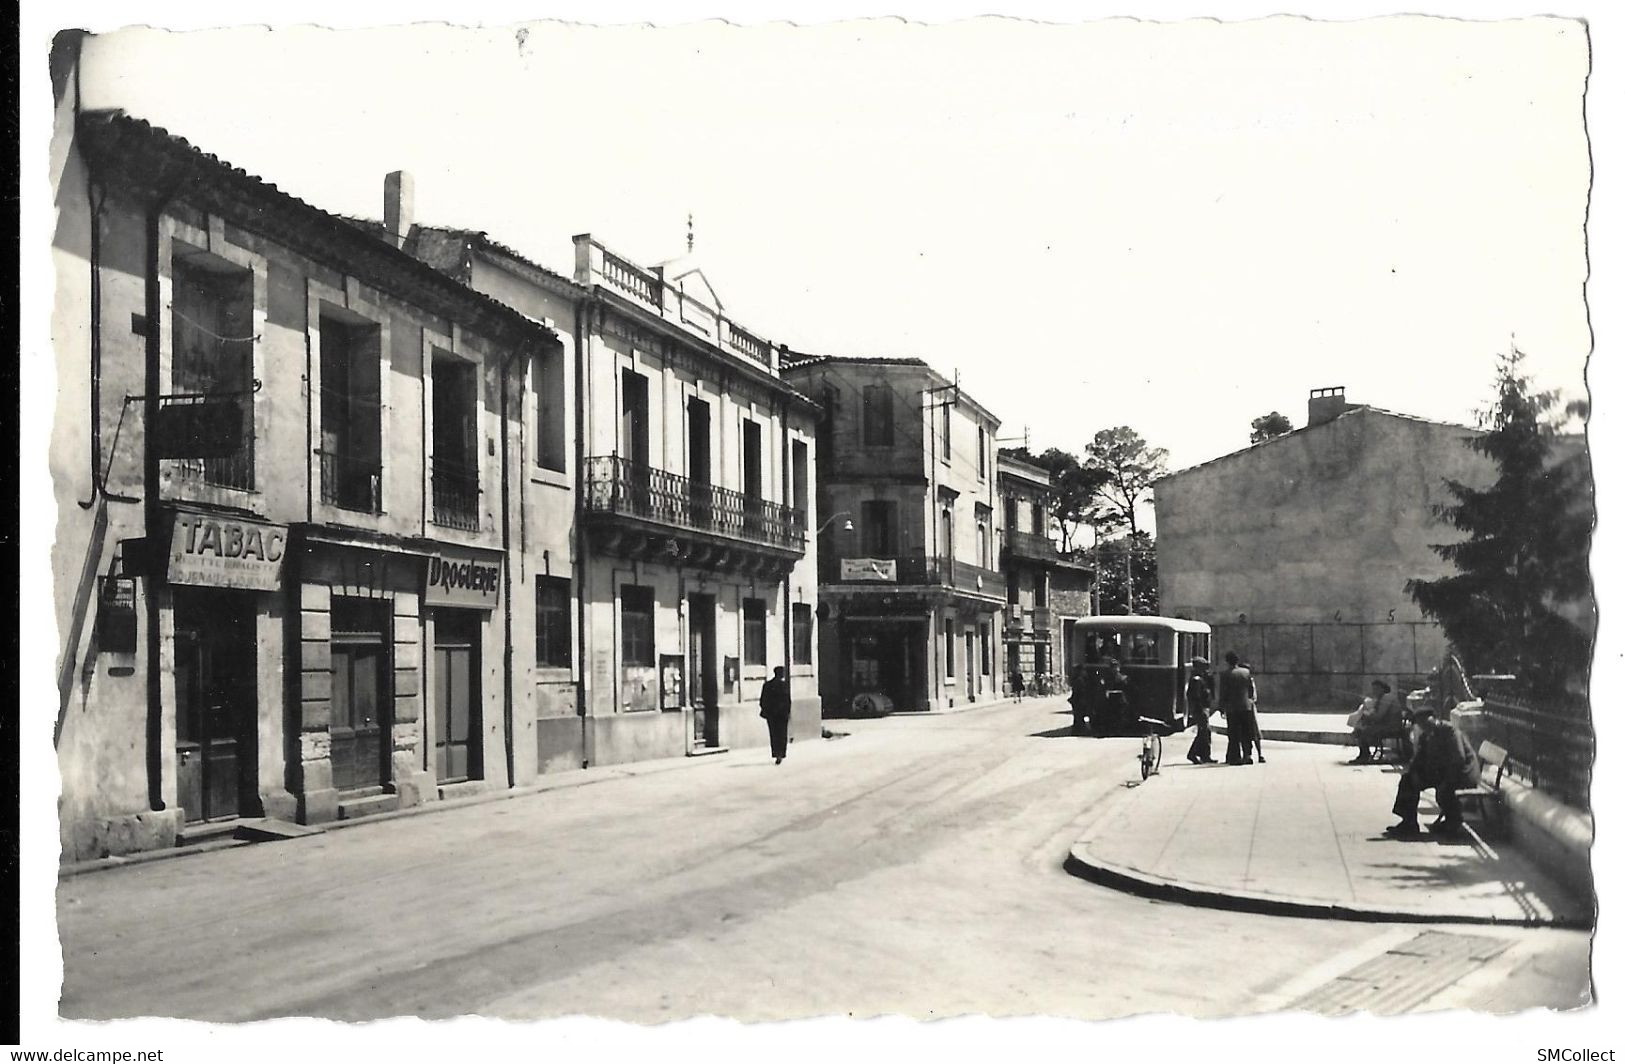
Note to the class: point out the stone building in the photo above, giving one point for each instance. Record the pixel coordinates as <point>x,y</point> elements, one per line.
<point>1045,591</point>
<point>1297,549</point>
<point>287,460</point>
<point>908,553</point>
<point>668,489</point>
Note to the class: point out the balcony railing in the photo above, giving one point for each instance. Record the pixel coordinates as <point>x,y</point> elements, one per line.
<point>921,569</point>
<point>351,483</point>
<point>223,424</point>
<point>455,487</point>
<point>750,346</point>
<point>617,486</point>
<point>1030,545</point>
<point>1040,619</point>
<point>630,278</point>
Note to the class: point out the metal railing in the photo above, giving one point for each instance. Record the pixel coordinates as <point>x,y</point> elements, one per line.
<point>1554,749</point>
<point>1030,545</point>
<point>233,470</point>
<point>630,278</point>
<point>750,346</point>
<point>616,485</point>
<point>351,483</point>
<point>455,488</point>
<point>921,569</point>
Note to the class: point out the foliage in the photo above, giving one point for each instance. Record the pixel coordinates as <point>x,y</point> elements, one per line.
<point>1129,467</point>
<point>1111,560</point>
<point>1519,599</point>
<point>1074,488</point>
<point>1269,426</point>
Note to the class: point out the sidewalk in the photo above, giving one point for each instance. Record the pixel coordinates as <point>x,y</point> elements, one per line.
<point>1303,836</point>
<point>1330,729</point>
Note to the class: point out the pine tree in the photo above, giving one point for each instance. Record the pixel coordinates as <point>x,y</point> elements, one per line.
<point>1519,599</point>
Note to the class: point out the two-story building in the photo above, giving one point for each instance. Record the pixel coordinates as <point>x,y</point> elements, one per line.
<point>908,578</point>
<point>1044,591</point>
<point>286,459</point>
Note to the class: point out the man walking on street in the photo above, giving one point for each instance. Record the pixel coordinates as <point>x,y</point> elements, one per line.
<point>1018,683</point>
<point>776,711</point>
<point>1199,703</point>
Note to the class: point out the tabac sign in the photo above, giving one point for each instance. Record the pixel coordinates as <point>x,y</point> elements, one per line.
<point>455,578</point>
<point>212,550</point>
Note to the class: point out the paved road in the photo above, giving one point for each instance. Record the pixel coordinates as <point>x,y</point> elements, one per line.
<point>912,867</point>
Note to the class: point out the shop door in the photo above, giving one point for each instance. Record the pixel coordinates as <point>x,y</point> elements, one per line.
<point>361,694</point>
<point>702,657</point>
<point>216,704</point>
<point>456,696</point>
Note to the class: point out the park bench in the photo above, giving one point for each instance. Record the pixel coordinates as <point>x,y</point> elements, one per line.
<point>1489,756</point>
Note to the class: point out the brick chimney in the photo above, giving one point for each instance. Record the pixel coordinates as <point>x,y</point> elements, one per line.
<point>398,207</point>
<point>1325,404</point>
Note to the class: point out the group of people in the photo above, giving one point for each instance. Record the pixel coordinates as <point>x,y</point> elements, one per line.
<point>1234,693</point>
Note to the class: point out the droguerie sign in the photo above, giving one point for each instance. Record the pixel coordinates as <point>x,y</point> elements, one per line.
<point>212,551</point>
<point>451,579</point>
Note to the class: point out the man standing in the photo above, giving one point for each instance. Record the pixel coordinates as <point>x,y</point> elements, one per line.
<point>1199,704</point>
<point>776,711</point>
<point>1236,697</point>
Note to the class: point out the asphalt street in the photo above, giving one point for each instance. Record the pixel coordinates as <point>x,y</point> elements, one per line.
<point>913,866</point>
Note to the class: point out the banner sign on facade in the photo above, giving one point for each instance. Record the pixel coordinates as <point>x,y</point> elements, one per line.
<point>210,550</point>
<point>455,578</point>
<point>869,569</point>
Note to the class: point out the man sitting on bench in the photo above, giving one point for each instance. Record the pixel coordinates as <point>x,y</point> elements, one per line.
<point>1443,761</point>
<point>1380,718</point>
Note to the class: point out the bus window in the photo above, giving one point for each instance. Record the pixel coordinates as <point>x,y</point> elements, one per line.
<point>1140,648</point>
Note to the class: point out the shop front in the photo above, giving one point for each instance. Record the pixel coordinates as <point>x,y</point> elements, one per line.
<point>461,591</point>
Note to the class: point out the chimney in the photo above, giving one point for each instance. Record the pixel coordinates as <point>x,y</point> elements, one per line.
<point>398,207</point>
<point>1325,404</point>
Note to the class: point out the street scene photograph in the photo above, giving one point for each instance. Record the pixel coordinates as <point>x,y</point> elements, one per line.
<point>753,521</point>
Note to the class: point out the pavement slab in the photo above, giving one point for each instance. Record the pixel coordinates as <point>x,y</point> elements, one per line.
<point>1303,834</point>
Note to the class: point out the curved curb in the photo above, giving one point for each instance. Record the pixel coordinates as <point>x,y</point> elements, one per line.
<point>1081,863</point>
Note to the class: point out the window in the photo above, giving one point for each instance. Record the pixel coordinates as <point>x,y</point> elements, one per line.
<point>547,377</point>
<point>947,433</point>
<point>552,622</point>
<point>352,425</point>
<point>213,317</point>
<point>637,625</point>
<point>1040,589</point>
<point>948,646</point>
<point>801,633</point>
<point>945,549</point>
<point>981,545</point>
<point>752,482</point>
<point>879,518</point>
<point>877,416</point>
<point>755,615</point>
<point>798,477</point>
<point>1012,514</point>
<point>455,464</point>
<point>981,452</point>
<point>635,418</point>
<point>987,650</point>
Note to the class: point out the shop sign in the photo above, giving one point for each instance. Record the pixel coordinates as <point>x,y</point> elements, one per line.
<point>115,618</point>
<point>214,551</point>
<point>869,569</point>
<point>454,578</point>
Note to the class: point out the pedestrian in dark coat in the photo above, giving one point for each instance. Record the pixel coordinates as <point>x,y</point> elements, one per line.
<point>776,711</point>
<point>1236,697</point>
<point>1018,683</point>
<point>1078,699</point>
<point>1199,704</point>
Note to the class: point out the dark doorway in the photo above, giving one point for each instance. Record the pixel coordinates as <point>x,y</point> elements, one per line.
<point>888,658</point>
<point>457,695</point>
<point>216,704</point>
<point>699,460</point>
<point>362,693</point>
<point>702,668</point>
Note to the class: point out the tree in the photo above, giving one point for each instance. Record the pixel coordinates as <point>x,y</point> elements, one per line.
<point>1129,467</point>
<point>1269,426</point>
<point>1126,575</point>
<point>1074,489</point>
<point>1522,564</point>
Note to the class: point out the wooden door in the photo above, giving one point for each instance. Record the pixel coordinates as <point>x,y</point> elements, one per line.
<point>216,708</point>
<point>457,697</point>
<point>360,711</point>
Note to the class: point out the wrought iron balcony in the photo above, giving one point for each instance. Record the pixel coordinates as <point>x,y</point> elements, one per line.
<point>1041,619</point>
<point>455,486</point>
<point>214,433</point>
<point>661,502</point>
<point>1030,546</point>
<point>350,482</point>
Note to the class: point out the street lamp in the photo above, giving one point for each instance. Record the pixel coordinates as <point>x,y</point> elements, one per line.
<point>844,528</point>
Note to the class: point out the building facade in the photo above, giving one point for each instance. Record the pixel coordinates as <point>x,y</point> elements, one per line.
<point>1044,591</point>
<point>909,582</point>
<point>1297,550</point>
<point>286,462</point>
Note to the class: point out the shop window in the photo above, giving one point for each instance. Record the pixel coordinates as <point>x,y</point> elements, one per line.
<point>547,374</point>
<point>552,622</point>
<point>877,416</point>
<point>801,633</point>
<point>351,429</point>
<point>637,625</point>
<point>212,368</point>
<point>755,621</point>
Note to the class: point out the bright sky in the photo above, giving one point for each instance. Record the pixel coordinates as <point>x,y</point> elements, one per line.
<point>1173,226</point>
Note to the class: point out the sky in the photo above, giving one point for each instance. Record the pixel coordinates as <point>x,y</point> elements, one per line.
<point>1172,226</point>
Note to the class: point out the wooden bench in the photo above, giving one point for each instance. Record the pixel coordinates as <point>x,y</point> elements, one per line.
<point>1489,756</point>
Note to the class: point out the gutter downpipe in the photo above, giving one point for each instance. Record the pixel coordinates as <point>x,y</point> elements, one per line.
<point>507,573</point>
<point>789,503</point>
<point>579,561</point>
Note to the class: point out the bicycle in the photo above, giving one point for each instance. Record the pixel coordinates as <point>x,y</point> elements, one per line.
<point>1150,748</point>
